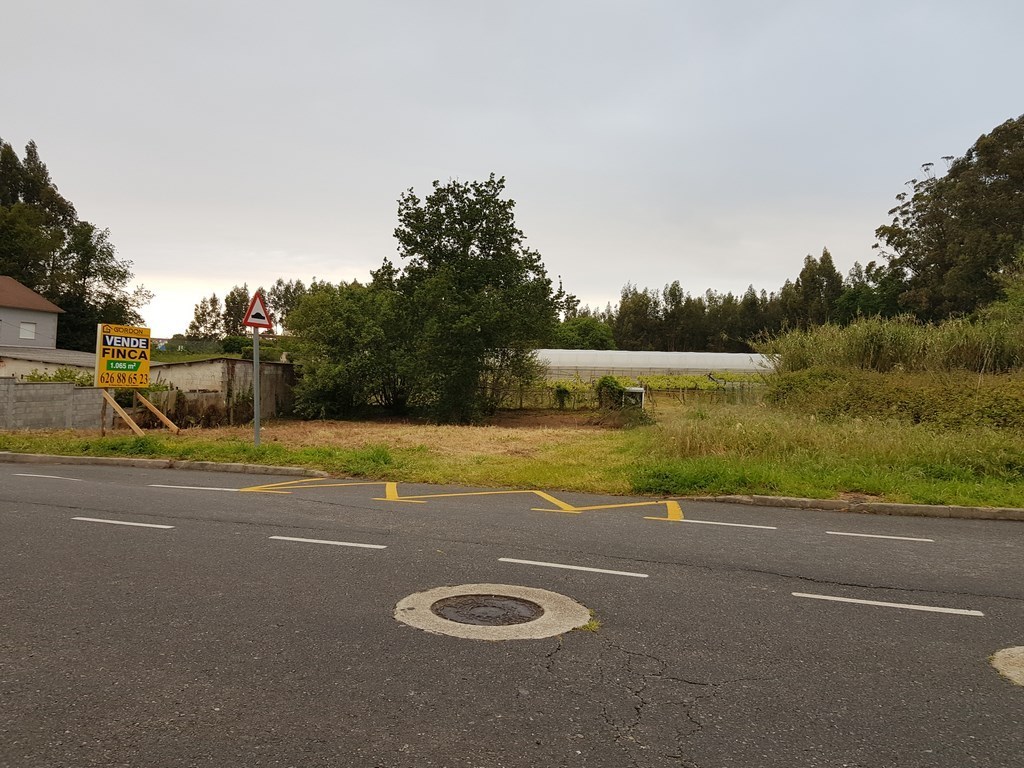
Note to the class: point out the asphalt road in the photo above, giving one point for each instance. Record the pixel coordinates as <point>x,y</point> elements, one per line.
<point>208,643</point>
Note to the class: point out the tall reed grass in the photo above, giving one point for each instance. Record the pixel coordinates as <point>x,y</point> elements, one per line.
<point>902,343</point>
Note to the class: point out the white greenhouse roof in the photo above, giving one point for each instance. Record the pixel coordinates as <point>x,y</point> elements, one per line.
<point>660,362</point>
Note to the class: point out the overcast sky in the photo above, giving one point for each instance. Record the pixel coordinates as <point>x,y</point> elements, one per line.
<point>714,143</point>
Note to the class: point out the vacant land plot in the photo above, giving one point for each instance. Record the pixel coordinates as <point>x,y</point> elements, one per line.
<point>691,449</point>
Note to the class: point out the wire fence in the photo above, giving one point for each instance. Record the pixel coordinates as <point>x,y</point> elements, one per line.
<point>555,397</point>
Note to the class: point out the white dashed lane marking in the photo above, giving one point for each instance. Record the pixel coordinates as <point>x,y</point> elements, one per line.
<point>196,488</point>
<point>905,606</point>
<point>571,567</point>
<point>49,477</point>
<point>325,541</point>
<point>120,522</point>
<point>876,536</point>
<point>730,525</point>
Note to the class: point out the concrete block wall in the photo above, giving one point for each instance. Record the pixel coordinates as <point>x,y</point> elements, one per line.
<point>48,405</point>
<point>277,382</point>
<point>232,380</point>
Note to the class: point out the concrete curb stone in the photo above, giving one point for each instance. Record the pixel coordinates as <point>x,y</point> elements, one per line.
<point>42,458</point>
<point>115,461</point>
<point>878,508</point>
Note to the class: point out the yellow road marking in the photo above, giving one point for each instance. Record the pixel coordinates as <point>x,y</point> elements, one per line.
<point>672,509</point>
<point>391,494</point>
<point>294,484</point>
<point>269,487</point>
<point>673,512</point>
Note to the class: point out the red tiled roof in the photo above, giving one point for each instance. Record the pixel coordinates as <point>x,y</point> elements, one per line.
<point>14,294</point>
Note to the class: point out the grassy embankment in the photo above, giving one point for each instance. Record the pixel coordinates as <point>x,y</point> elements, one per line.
<point>922,432</point>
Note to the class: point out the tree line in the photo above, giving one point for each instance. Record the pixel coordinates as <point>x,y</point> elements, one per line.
<point>214,319</point>
<point>450,328</point>
<point>945,252</point>
<point>673,320</point>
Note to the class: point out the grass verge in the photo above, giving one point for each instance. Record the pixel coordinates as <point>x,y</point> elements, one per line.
<point>753,450</point>
<point>691,450</point>
<point>582,459</point>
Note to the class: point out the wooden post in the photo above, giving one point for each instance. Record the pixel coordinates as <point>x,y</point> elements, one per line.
<point>103,415</point>
<point>122,413</point>
<point>156,412</point>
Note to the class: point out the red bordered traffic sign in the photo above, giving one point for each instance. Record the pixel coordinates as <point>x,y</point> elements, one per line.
<point>257,316</point>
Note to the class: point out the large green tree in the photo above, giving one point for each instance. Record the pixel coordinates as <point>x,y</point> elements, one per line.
<point>951,237</point>
<point>45,246</point>
<point>478,299</point>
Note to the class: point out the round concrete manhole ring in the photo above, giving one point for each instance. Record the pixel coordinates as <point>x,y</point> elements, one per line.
<point>1009,662</point>
<point>492,612</point>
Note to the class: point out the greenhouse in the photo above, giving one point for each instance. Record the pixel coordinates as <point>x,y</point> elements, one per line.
<point>594,363</point>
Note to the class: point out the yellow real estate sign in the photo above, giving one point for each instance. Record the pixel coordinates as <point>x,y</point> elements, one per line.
<point>122,356</point>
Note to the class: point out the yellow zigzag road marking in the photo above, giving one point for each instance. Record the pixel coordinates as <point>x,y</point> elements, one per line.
<point>391,494</point>
<point>295,484</point>
<point>672,509</point>
<point>673,512</point>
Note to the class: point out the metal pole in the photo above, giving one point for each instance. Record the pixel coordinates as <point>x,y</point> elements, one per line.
<point>256,386</point>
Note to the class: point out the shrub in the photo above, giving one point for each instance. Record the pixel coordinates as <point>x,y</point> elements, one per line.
<point>233,345</point>
<point>73,375</point>
<point>610,392</point>
<point>562,394</point>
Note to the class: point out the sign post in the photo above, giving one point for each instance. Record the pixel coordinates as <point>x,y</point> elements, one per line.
<point>256,317</point>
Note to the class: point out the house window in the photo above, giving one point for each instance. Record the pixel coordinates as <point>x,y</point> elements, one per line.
<point>27,331</point>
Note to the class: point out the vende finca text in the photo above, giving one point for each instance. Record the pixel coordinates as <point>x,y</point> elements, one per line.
<point>125,348</point>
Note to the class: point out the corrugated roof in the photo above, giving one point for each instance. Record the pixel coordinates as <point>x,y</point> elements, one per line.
<point>14,294</point>
<point>66,357</point>
<point>599,359</point>
<point>56,356</point>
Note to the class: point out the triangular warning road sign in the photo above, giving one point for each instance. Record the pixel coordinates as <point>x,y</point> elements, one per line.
<point>257,316</point>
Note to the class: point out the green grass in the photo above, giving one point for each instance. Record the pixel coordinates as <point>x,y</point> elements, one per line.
<point>591,626</point>
<point>751,450</point>
<point>692,450</point>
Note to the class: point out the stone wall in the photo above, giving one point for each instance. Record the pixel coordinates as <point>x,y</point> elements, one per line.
<point>49,405</point>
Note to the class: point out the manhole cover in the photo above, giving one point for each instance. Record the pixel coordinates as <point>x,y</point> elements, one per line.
<point>491,612</point>
<point>487,610</point>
